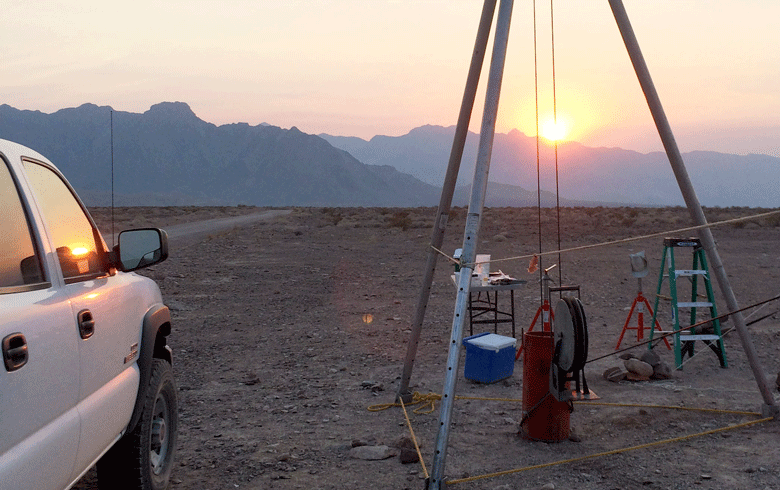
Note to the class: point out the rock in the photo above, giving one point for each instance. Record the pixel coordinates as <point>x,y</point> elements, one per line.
<point>407,451</point>
<point>405,442</point>
<point>547,486</point>
<point>628,355</point>
<point>651,358</point>
<point>614,374</point>
<point>372,453</point>
<point>639,367</point>
<point>636,377</point>
<point>408,456</point>
<point>372,385</point>
<point>777,382</point>
<point>662,371</point>
<point>378,387</point>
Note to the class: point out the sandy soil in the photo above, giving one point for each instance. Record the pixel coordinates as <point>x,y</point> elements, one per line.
<point>287,330</point>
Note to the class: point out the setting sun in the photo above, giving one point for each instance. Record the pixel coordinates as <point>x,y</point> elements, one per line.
<point>554,131</point>
<point>577,119</point>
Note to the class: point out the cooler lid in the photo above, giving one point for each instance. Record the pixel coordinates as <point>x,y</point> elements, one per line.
<point>493,342</point>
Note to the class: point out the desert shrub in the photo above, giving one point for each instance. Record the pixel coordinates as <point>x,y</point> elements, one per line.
<point>399,219</point>
<point>773,221</point>
<point>332,216</point>
<point>739,224</point>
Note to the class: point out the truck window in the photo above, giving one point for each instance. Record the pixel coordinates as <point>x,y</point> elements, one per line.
<point>79,248</point>
<point>19,262</point>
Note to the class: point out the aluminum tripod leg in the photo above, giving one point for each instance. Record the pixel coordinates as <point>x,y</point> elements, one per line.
<point>456,154</point>
<point>691,201</point>
<point>471,237</point>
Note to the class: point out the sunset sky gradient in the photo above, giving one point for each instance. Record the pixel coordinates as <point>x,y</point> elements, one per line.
<point>368,67</point>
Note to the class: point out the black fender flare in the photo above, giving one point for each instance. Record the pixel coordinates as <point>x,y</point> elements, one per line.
<point>156,326</point>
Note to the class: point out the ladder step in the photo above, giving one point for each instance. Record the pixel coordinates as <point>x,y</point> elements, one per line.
<point>692,337</point>
<point>682,242</point>
<point>690,272</point>
<point>695,304</point>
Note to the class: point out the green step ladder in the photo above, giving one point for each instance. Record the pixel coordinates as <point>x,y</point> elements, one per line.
<point>709,333</point>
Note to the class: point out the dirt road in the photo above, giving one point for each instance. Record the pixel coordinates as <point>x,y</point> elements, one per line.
<point>185,234</point>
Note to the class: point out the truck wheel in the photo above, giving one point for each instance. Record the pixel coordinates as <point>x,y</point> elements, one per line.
<point>143,458</point>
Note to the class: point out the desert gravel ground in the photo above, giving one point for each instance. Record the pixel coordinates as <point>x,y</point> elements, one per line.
<point>286,330</point>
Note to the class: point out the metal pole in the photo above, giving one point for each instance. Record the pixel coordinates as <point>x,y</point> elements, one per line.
<point>770,408</point>
<point>470,237</point>
<point>450,179</point>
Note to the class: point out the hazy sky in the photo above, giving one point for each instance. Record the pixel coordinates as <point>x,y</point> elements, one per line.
<point>367,67</point>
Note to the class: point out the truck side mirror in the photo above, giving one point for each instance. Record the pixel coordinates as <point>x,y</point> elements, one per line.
<point>140,248</point>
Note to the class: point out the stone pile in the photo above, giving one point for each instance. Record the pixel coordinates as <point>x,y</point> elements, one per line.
<point>639,368</point>
<point>403,448</point>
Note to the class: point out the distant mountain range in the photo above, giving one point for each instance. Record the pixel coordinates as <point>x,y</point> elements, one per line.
<point>168,156</point>
<point>595,175</point>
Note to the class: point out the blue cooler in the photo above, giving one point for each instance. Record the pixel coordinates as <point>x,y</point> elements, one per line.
<point>489,357</point>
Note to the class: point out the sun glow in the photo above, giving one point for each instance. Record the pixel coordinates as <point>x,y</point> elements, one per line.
<point>78,251</point>
<point>554,131</point>
<point>578,118</point>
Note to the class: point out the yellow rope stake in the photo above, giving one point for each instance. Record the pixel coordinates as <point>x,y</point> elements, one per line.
<point>624,240</point>
<point>414,440</point>
<point>608,453</point>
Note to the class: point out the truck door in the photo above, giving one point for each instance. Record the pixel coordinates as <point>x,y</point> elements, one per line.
<point>102,314</point>
<point>39,374</point>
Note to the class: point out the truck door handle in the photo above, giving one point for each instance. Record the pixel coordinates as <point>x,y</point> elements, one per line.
<point>86,324</point>
<point>14,351</point>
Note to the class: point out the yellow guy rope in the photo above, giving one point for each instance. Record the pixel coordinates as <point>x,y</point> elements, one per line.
<point>428,401</point>
<point>417,398</point>
<point>427,407</point>
<point>623,240</point>
<point>671,407</point>
<point>414,440</point>
<point>608,453</point>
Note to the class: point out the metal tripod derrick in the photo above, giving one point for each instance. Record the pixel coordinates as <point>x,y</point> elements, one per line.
<point>476,205</point>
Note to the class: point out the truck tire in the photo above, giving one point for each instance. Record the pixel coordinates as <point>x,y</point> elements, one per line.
<point>143,458</point>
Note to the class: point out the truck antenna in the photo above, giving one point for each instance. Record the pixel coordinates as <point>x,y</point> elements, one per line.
<point>113,236</point>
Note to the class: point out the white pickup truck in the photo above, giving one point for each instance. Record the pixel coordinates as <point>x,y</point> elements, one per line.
<point>86,376</point>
